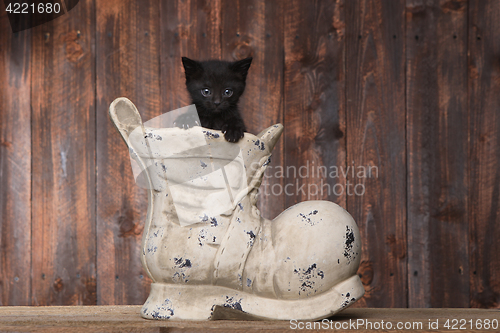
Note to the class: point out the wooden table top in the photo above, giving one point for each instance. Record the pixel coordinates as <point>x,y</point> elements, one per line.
<point>126,318</point>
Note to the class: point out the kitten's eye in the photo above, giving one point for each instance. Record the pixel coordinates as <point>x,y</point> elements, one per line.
<point>227,92</point>
<point>206,92</point>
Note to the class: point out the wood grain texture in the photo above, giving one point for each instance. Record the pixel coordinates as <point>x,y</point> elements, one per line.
<point>190,29</point>
<point>15,164</point>
<point>128,64</point>
<point>484,176</point>
<point>375,80</point>
<point>63,175</point>
<point>437,123</point>
<point>255,28</point>
<point>57,319</point>
<point>314,97</point>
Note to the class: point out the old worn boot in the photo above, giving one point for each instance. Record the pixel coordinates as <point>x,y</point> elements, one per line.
<point>207,249</point>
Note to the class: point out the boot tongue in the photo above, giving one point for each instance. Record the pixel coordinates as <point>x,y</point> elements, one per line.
<point>257,150</point>
<point>271,135</point>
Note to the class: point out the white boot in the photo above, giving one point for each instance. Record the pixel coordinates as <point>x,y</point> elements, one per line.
<point>207,249</point>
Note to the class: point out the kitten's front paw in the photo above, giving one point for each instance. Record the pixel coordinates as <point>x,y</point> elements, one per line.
<point>232,134</point>
<point>186,121</point>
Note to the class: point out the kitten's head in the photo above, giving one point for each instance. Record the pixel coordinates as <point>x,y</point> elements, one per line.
<point>215,86</point>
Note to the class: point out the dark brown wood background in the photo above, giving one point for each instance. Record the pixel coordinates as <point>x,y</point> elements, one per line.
<point>409,87</point>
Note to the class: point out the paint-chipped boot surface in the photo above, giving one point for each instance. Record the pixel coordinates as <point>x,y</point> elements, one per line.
<point>207,249</point>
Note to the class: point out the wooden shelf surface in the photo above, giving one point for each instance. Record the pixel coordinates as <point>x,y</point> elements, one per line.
<point>126,318</point>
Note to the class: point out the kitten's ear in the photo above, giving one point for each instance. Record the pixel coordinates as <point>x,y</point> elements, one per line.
<point>241,67</point>
<point>191,67</point>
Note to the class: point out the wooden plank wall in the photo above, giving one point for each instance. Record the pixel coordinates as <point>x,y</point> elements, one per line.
<point>484,153</point>
<point>376,137</point>
<point>406,89</point>
<point>63,237</point>
<point>127,64</point>
<point>315,113</point>
<point>436,43</point>
<point>15,165</point>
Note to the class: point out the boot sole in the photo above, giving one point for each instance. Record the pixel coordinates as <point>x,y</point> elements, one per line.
<point>205,302</point>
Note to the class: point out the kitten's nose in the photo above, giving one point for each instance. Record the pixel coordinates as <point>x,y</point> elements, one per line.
<point>216,103</point>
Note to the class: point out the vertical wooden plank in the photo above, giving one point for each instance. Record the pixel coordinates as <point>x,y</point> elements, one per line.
<point>484,176</point>
<point>255,28</point>
<point>15,164</point>
<point>375,80</point>
<point>63,141</point>
<point>314,112</point>
<point>436,90</point>
<point>189,28</point>
<point>128,64</point>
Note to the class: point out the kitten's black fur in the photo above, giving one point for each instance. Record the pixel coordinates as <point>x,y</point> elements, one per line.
<point>215,88</point>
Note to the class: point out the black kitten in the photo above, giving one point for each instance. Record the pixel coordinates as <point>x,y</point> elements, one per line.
<point>215,88</point>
